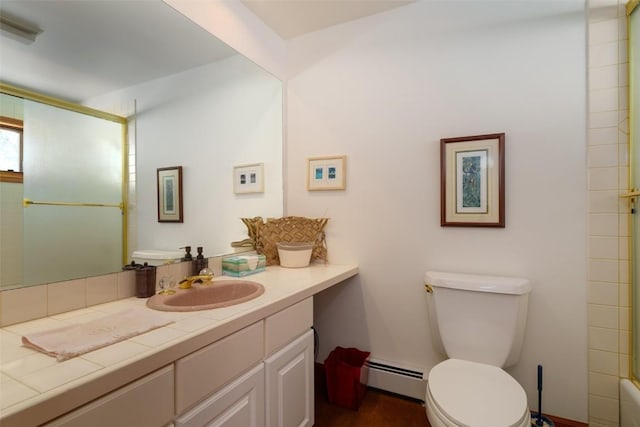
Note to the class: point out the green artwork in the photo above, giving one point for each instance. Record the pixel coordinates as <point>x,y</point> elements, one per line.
<point>471,182</point>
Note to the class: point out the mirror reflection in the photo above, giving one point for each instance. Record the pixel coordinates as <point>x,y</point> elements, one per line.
<point>66,195</point>
<point>206,113</point>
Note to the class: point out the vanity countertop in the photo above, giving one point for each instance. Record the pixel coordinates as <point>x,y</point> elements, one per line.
<point>35,388</point>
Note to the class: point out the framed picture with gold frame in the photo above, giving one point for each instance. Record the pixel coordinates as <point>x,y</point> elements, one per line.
<point>472,181</point>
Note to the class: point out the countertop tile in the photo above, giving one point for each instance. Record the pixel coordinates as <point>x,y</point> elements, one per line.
<point>190,324</point>
<point>26,365</point>
<point>157,337</point>
<point>35,326</point>
<point>115,353</point>
<point>61,373</point>
<point>11,347</point>
<point>14,392</point>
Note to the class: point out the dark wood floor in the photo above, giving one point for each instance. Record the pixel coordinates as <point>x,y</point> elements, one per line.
<point>381,409</point>
<point>378,409</point>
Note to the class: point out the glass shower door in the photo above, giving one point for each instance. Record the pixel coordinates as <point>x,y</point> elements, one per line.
<point>72,162</point>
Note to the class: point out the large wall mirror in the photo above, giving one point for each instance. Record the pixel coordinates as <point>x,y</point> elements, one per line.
<point>189,100</point>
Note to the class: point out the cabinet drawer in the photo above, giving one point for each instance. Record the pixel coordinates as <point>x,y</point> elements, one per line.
<point>285,326</point>
<point>145,402</point>
<point>203,372</point>
<point>240,403</point>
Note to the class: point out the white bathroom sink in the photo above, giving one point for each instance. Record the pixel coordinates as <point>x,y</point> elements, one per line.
<point>216,294</point>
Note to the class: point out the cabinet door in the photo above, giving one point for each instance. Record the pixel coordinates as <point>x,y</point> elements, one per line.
<point>239,404</point>
<point>289,384</point>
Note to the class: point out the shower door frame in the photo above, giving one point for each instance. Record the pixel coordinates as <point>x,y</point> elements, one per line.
<point>634,216</point>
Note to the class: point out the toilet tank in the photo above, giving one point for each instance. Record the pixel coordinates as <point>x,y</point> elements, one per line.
<point>478,318</point>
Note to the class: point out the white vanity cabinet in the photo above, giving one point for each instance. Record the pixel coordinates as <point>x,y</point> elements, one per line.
<point>145,402</point>
<point>289,384</point>
<point>278,392</point>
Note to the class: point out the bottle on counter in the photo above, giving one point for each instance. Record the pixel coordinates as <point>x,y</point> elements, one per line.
<point>200,262</point>
<point>187,254</point>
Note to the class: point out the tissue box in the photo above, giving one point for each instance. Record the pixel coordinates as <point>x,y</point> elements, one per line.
<point>243,265</point>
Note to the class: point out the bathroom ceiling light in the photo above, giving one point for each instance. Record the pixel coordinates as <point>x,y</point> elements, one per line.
<point>18,29</point>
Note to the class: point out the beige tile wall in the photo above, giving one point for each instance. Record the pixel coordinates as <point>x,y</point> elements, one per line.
<point>608,287</point>
<point>21,305</point>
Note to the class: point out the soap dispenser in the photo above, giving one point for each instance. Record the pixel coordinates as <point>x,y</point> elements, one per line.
<point>200,262</point>
<point>187,254</point>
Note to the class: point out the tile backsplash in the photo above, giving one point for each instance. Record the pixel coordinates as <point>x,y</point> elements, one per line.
<point>35,302</point>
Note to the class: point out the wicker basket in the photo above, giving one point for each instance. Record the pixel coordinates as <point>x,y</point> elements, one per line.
<point>287,229</point>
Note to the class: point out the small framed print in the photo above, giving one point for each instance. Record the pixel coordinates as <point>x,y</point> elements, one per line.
<point>248,178</point>
<point>326,173</point>
<point>472,181</point>
<point>170,194</point>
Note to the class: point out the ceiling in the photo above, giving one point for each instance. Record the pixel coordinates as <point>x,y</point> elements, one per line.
<point>293,18</point>
<point>89,48</point>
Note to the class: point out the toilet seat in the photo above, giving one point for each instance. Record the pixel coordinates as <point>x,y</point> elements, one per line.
<point>464,393</point>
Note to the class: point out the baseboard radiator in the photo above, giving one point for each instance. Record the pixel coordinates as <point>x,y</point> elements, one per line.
<point>398,379</point>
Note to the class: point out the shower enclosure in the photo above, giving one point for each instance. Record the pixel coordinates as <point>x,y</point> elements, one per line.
<point>634,124</point>
<point>630,389</point>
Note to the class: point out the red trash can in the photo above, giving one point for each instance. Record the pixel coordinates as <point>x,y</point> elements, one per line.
<point>346,374</point>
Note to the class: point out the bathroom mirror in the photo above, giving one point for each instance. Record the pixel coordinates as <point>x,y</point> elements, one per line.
<point>203,110</point>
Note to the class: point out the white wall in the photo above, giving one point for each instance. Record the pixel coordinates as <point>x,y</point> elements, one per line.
<point>237,26</point>
<point>207,120</point>
<point>383,91</point>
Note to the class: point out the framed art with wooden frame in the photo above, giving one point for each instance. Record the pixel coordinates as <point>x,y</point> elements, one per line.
<point>472,181</point>
<point>170,194</point>
<point>326,173</point>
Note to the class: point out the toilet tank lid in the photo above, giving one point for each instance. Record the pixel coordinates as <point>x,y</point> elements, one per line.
<point>157,254</point>
<point>478,283</point>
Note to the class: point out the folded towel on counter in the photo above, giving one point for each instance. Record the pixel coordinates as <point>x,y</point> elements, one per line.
<point>70,341</point>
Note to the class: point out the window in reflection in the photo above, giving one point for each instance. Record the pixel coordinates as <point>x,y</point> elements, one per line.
<point>10,144</point>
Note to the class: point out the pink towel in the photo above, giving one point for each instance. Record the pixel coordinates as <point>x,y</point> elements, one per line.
<point>70,341</point>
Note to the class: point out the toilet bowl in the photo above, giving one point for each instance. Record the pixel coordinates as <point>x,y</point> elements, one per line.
<point>461,393</point>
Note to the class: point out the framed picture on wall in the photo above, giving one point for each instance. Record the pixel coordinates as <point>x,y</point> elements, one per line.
<point>326,173</point>
<point>472,181</point>
<point>248,178</point>
<point>170,194</point>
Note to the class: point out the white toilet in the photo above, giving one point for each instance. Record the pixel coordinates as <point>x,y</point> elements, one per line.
<point>478,322</point>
